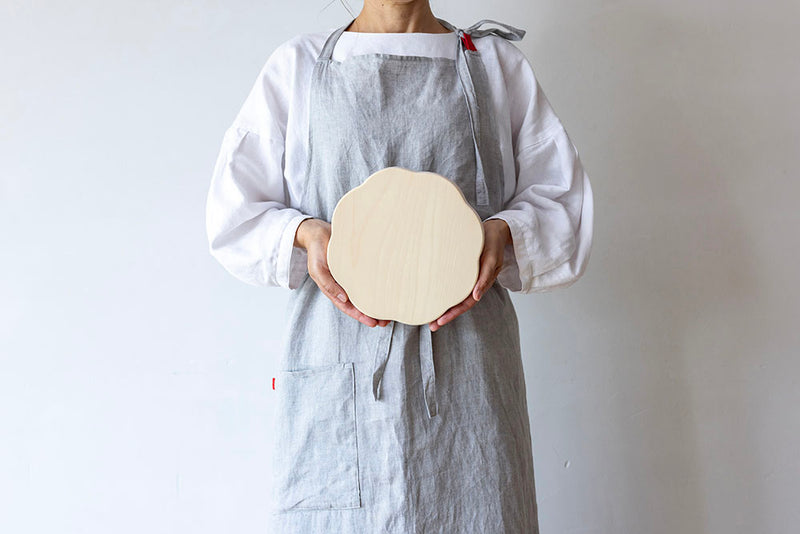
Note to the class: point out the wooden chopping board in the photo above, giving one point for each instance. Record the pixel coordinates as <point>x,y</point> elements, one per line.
<point>405,245</point>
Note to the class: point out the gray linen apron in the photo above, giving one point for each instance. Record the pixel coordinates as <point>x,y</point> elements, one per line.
<point>399,429</point>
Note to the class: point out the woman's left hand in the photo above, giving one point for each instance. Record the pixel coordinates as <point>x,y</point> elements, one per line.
<point>496,235</point>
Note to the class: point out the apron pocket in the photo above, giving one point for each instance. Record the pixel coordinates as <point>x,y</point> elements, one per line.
<point>315,460</point>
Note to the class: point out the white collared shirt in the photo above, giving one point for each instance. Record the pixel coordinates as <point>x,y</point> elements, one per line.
<point>251,215</point>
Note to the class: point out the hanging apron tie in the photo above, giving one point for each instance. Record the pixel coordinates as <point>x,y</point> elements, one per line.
<point>426,366</point>
<point>465,37</point>
<point>382,349</point>
<point>511,33</point>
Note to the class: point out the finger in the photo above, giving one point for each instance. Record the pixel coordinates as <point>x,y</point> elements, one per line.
<point>350,309</point>
<point>490,267</point>
<point>331,289</point>
<point>449,315</point>
<point>328,284</point>
<point>453,312</point>
<point>320,273</point>
<point>355,313</point>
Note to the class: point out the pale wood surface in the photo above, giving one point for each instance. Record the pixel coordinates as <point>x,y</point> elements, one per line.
<point>405,245</point>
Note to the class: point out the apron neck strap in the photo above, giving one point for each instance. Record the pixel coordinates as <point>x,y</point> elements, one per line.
<point>505,31</point>
<point>330,42</point>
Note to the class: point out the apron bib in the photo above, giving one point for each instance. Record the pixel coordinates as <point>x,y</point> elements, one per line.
<point>390,429</point>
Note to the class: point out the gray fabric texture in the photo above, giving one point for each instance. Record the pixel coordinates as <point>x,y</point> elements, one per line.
<point>398,429</point>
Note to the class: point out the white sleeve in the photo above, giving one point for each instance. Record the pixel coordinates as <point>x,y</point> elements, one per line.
<point>250,228</point>
<point>550,214</point>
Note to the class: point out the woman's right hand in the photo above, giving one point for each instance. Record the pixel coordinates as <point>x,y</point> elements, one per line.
<point>313,235</point>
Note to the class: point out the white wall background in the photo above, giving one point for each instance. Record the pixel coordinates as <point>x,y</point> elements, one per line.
<point>135,372</point>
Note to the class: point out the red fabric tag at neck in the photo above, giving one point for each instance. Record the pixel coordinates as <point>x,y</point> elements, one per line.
<point>467,40</point>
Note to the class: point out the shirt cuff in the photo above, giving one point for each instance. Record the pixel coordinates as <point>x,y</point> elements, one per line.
<point>292,265</point>
<point>516,264</point>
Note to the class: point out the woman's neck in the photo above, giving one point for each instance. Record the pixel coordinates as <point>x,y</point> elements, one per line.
<point>387,16</point>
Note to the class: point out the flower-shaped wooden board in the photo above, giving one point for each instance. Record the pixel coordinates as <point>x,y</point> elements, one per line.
<point>405,245</point>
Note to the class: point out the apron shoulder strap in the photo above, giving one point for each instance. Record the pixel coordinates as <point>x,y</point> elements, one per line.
<point>327,49</point>
<point>470,92</point>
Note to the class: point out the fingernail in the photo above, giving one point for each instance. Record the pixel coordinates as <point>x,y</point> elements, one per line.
<point>341,297</point>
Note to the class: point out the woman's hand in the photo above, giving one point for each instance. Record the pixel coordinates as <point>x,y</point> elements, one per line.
<point>497,235</point>
<point>313,235</point>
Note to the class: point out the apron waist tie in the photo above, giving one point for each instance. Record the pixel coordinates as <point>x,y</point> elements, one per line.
<point>425,364</point>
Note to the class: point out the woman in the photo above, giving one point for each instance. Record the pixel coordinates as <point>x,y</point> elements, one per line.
<point>383,426</point>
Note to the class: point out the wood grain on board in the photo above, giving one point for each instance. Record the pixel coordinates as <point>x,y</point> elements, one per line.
<point>405,245</point>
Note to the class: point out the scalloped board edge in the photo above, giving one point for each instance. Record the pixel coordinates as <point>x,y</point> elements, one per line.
<point>405,245</point>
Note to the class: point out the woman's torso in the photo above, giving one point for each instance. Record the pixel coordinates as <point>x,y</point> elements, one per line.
<point>294,61</point>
